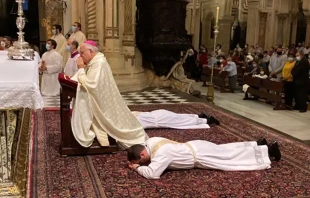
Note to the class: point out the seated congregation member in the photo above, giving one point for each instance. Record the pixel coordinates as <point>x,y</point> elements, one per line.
<point>166,119</point>
<point>231,68</point>
<point>254,69</point>
<point>71,66</point>
<point>51,66</point>
<point>288,80</point>
<point>300,74</point>
<point>158,154</point>
<point>99,109</point>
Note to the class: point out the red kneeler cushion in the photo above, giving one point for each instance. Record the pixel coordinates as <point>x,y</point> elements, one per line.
<point>64,79</point>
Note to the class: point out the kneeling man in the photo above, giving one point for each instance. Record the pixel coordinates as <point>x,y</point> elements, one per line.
<point>166,119</point>
<point>161,154</point>
<point>99,109</point>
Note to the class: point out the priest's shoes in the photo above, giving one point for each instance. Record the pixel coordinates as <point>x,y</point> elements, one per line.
<point>274,151</point>
<point>262,141</point>
<point>210,119</point>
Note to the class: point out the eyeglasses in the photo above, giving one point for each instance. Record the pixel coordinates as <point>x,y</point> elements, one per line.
<point>84,51</point>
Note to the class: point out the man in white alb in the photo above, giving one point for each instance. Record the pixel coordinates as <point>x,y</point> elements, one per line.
<point>61,43</point>
<point>77,34</point>
<point>166,119</point>
<point>51,66</point>
<point>161,154</point>
<point>71,66</point>
<point>99,109</point>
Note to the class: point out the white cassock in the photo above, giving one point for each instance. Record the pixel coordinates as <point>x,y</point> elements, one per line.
<point>37,57</point>
<point>71,66</point>
<point>166,119</point>
<point>99,109</point>
<point>61,47</point>
<point>167,154</point>
<point>79,36</point>
<point>50,85</point>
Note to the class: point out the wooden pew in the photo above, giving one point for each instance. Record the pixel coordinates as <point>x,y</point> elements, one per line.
<point>219,79</point>
<point>68,145</point>
<point>266,89</point>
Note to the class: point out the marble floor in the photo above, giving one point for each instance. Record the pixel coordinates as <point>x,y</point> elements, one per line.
<point>291,123</point>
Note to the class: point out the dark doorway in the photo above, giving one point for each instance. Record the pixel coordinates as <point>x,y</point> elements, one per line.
<point>301,25</point>
<point>31,15</point>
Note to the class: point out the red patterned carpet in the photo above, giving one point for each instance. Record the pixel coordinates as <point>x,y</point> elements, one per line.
<point>108,176</point>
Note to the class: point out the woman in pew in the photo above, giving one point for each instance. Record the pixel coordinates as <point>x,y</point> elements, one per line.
<point>288,80</point>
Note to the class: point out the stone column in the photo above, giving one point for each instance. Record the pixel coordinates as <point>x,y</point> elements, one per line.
<point>308,28</point>
<point>294,20</point>
<point>281,18</point>
<point>262,29</point>
<point>92,32</point>
<point>253,22</point>
<point>225,25</point>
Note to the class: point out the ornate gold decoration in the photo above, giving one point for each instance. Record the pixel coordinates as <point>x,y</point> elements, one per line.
<point>53,15</point>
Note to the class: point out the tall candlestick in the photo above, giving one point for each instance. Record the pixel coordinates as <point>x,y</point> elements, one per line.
<point>217,14</point>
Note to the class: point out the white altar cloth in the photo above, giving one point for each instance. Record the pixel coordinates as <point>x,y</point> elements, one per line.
<point>19,83</point>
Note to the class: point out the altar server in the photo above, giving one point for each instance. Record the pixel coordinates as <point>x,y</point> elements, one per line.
<point>61,43</point>
<point>161,154</point>
<point>99,109</point>
<point>77,34</point>
<point>71,66</point>
<point>51,67</point>
<point>166,119</point>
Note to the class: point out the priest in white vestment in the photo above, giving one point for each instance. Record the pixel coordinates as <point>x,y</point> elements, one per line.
<point>71,66</point>
<point>51,66</point>
<point>166,119</point>
<point>61,43</point>
<point>77,34</point>
<point>161,154</point>
<point>99,109</point>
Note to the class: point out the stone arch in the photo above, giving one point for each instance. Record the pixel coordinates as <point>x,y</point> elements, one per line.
<point>207,37</point>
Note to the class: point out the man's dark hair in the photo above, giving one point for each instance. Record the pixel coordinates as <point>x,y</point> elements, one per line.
<point>79,25</point>
<point>58,27</point>
<point>53,42</point>
<point>8,38</point>
<point>75,43</point>
<point>133,153</point>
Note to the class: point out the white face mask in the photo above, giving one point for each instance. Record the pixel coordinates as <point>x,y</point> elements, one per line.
<point>54,32</point>
<point>254,65</point>
<point>298,58</point>
<point>229,62</point>
<point>221,60</point>
<point>2,44</point>
<point>290,59</point>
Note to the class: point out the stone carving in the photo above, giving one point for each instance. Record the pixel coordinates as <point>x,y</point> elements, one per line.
<point>161,35</point>
<point>91,20</point>
<point>269,3</point>
<point>128,17</point>
<point>176,78</point>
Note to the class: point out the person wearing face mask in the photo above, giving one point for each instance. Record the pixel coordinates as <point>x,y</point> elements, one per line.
<point>71,66</point>
<point>288,81</point>
<point>203,61</point>
<point>306,50</point>
<point>77,34</point>
<point>51,66</point>
<point>218,49</point>
<point>61,42</point>
<point>276,65</point>
<point>300,74</point>
<point>231,68</point>
<point>254,69</point>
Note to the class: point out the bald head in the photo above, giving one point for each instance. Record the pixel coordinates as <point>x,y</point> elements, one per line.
<point>88,52</point>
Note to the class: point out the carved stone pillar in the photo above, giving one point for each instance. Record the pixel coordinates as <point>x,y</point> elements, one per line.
<point>253,22</point>
<point>308,28</point>
<point>281,18</point>
<point>92,32</point>
<point>53,15</point>
<point>294,21</point>
<point>262,29</point>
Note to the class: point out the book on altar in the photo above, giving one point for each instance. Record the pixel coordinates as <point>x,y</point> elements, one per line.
<point>67,80</point>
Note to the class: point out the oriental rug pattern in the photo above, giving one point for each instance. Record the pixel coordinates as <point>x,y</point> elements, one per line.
<point>108,176</point>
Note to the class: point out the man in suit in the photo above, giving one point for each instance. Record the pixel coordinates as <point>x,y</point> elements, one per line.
<point>277,63</point>
<point>300,75</point>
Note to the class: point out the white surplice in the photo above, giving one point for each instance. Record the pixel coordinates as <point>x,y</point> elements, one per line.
<point>50,85</point>
<point>166,119</point>
<point>71,66</point>
<point>239,156</point>
<point>61,47</point>
<point>99,109</point>
<point>79,36</point>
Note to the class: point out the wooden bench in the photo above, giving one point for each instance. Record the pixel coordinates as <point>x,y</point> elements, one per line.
<point>266,89</point>
<point>219,79</point>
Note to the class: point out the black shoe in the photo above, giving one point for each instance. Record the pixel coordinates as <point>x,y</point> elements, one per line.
<point>274,151</point>
<point>210,119</point>
<point>296,108</point>
<point>303,110</point>
<point>262,141</point>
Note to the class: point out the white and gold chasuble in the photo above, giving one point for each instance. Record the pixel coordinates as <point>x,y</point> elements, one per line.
<point>99,109</point>
<point>167,154</point>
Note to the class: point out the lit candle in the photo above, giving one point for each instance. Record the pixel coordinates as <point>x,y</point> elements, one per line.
<point>181,53</point>
<point>217,13</point>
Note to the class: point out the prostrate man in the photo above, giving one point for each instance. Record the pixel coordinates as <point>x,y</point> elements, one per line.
<point>166,119</point>
<point>77,34</point>
<point>71,66</point>
<point>99,109</point>
<point>8,42</point>
<point>61,43</point>
<point>51,67</point>
<point>161,154</point>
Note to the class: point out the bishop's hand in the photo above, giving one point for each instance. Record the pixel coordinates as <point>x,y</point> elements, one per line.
<point>133,166</point>
<point>80,63</point>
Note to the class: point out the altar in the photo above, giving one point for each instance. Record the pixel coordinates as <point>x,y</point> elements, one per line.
<point>19,98</point>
